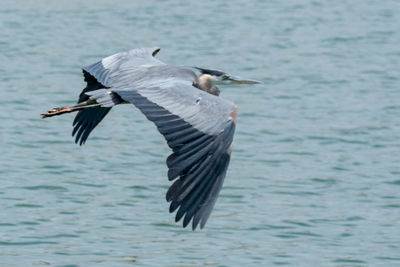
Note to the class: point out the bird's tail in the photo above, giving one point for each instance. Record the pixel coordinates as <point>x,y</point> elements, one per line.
<point>62,110</point>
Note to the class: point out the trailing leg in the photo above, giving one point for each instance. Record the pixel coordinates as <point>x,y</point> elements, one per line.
<point>62,110</point>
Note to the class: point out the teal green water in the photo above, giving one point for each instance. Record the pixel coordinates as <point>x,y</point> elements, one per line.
<point>314,178</point>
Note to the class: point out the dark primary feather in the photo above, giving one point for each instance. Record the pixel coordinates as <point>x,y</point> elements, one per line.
<point>199,160</point>
<point>87,119</point>
<point>97,77</point>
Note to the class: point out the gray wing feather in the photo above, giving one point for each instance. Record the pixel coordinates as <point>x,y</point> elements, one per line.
<point>110,66</point>
<point>199,129</point>
<point>203,111</point>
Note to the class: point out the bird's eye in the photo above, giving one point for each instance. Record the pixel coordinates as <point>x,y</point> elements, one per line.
<point>224,77</point>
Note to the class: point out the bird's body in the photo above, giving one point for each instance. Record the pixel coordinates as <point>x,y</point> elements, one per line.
<point>197,125</point>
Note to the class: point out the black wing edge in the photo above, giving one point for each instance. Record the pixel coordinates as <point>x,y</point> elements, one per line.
<point>198,159</point>
<point>211,72</point>
<point>87,119</point>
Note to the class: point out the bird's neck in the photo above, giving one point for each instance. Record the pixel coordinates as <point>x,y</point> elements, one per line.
<point>205,83</point>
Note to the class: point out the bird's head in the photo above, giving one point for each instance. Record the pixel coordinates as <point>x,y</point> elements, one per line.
<point>220,77</point>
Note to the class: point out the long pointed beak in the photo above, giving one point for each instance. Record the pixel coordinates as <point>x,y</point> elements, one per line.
<point>238,80</point>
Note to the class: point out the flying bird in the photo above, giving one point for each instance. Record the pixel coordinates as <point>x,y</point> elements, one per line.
<point>197,124</point>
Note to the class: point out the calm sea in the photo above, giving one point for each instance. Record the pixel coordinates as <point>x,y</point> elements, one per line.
<point>314,178</point>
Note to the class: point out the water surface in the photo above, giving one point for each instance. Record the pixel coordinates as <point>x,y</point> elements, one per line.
<point>314,178</point>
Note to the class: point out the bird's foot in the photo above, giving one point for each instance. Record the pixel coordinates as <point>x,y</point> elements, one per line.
<point>56,111</point>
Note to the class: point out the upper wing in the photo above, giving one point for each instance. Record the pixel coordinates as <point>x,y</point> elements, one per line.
<point>99,75</point>
<point>199,128</point>
<point>108,67</point>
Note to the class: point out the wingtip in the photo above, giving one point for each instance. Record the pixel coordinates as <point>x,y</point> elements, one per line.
<point>79,141</point>
<point>186,221</point>
<point>194,225</point>
<point>173,206</point>
<point>155,52</point>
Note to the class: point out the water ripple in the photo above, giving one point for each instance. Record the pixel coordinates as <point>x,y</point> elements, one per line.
<point>316,154</point>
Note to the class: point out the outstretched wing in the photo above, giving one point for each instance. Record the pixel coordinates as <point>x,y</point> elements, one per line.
<point>87,119</point>
<point>100,75</point>
<point>199,128</point>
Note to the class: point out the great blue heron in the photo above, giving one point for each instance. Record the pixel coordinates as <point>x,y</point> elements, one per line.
<point>197,125</point>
